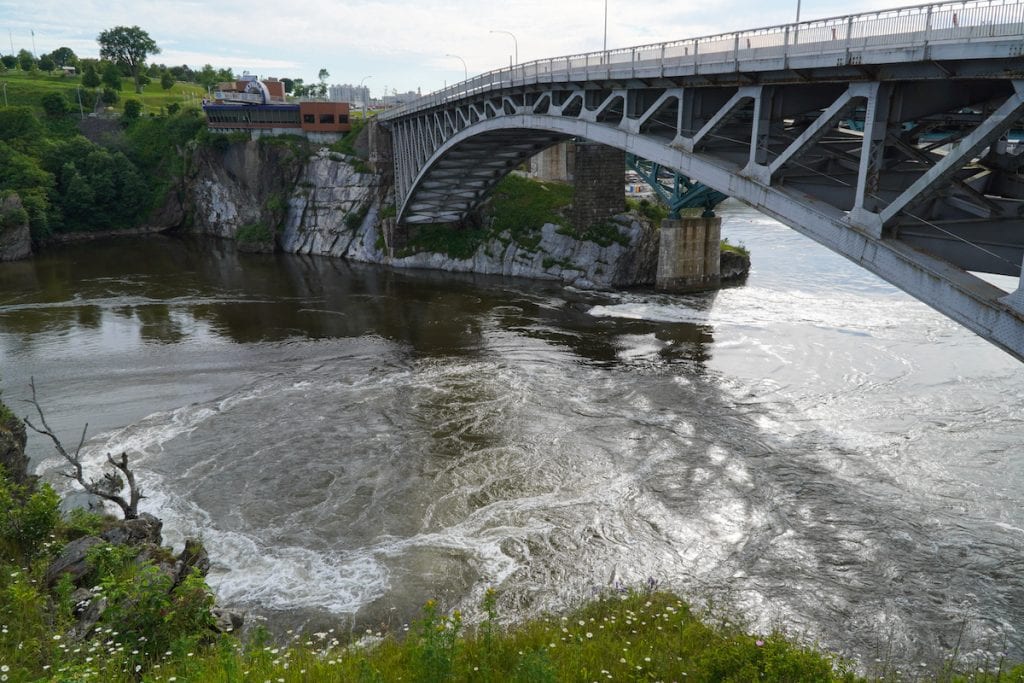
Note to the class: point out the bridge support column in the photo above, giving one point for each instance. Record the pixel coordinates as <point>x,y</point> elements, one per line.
<point>599,177</point>
<point>689,254</point>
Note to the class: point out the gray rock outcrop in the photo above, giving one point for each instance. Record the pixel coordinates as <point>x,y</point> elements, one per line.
<point>15,238</point>
<point>335,206</point>
<point>12,447</point>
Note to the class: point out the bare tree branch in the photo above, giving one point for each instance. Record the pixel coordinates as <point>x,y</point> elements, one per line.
<point>107,488</point>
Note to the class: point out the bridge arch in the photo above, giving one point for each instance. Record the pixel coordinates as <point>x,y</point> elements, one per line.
<point>887,137</point>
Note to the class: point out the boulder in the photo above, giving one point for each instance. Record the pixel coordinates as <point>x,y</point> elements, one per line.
<point>72,561</point>
<point>194,556</point>
<point>226,621</point>
<point>87,618</point>
<point>143,529</point>
<point>734,266</point>
<point>15,238</point>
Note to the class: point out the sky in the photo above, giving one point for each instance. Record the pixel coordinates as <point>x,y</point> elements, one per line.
<point>394,44</point>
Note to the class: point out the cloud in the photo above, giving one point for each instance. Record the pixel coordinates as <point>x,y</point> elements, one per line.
<point>401,42</point>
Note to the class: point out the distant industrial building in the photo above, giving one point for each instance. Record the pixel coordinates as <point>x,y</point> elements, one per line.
<point>355,95</point>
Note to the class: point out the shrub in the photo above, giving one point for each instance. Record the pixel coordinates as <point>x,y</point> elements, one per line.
<point>255,233</point>
<point>132,109</point>
<point>55,104</point>
<point>30,517</point>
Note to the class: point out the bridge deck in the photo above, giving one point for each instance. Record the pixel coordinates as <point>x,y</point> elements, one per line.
<point>844,46</point>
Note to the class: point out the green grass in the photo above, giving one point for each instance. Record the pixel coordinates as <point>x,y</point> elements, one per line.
<point>27,88</point>
<point>735,248</point>
<point>517,210</point>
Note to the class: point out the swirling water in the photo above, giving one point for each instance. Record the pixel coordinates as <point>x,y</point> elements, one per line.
<point>814,449</point>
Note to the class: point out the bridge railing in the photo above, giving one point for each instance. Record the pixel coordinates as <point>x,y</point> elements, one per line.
<point>903,27</point>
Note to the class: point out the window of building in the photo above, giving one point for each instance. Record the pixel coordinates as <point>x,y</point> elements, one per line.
<point>308,118</point>
<point>326,118</point>
<point>342,118</point>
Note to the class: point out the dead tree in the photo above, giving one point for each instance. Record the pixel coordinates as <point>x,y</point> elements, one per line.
<point>107,488</point>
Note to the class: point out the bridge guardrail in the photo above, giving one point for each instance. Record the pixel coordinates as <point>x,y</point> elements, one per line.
<point>903,27</point>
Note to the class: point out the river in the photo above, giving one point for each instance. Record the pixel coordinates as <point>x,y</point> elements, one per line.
<point>815,449</point>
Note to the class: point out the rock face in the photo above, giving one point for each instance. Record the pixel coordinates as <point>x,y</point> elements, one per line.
<point>329,207</point>
<point>340,216</point>
<point>332,205</point>
<point>15,238</point>
<point>240,192</point>
<point>12,447</point>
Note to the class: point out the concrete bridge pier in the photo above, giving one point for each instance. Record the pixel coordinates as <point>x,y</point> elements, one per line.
<point>689,254</point>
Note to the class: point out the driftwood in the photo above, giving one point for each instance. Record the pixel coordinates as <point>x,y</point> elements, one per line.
<point>112,483</point>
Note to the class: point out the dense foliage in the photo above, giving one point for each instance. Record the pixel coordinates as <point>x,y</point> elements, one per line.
<point>67,183</point>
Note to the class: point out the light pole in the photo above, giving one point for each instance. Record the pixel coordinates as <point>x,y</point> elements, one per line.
<point>796,29</point>
<point>515,43</point>
<point>465,69</point>
<point>605,48</point>
<point>364,94</point>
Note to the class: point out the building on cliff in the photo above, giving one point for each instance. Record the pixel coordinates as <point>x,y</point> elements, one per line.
<point>260,107</point>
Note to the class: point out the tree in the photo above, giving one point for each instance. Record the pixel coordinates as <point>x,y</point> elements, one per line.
<point>207,77</point>
<point>25,60</point>
<point>47,64</point>
<point>166,80</point>
<point>132,109</point>
<point>64,56</point>
<point>109,96</point>
<point>322,76</point>
<point>128,46</point>
<point>9,61</point>
<point>112,483</point>
<point>112,77</point>
<point>289,85</point>
<point>90,79</point>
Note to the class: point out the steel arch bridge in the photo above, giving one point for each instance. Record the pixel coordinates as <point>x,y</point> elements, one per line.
<point>889,137</point>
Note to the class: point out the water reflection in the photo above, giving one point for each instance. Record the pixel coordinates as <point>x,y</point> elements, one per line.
<point>170,289</point>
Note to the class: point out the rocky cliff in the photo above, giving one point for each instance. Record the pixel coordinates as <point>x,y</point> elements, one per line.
<point>330,204</point>
<point>268,194</point>
<point>15,240</point>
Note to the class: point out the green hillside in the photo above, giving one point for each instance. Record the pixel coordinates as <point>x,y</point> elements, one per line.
<point>27,88</point>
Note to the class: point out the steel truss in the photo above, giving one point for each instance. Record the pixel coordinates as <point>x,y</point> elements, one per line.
<point>907,166</point>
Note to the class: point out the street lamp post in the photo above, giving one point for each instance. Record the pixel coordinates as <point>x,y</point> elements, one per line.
<point>363,94</point>
<point>515,43</point>
<point>465,69</point>
<point>796,29</point>
<point>605,48</point>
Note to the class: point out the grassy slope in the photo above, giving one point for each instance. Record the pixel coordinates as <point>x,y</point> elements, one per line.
<point>28,88</point>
